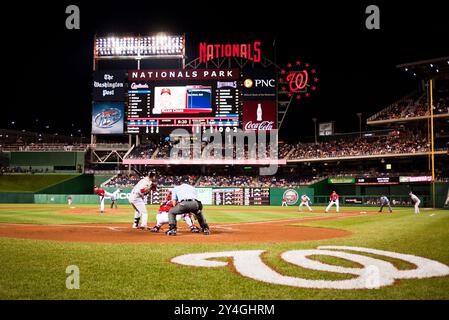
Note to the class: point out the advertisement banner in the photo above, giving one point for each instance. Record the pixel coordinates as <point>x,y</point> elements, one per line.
<point>415,179</point>
<point>353,200</point>
<point>377,180</point>
<point>108,117</point>
<point>108,86</point>
<point>259,84</point>
<point>259,115</point>
<point>340,180</point>
<point>204,195</point>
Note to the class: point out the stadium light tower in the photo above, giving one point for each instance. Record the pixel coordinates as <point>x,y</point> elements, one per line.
<point>157,46</point>
<point>359,114</point>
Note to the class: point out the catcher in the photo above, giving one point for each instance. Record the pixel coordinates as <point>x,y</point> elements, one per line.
<point>143,187</point>
<point>162,216</point>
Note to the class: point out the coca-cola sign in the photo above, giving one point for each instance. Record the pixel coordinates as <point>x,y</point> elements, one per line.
<point>264,125</point>
<point>259,115</point>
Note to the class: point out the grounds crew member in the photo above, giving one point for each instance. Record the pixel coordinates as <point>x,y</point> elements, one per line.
<point>185,200</point>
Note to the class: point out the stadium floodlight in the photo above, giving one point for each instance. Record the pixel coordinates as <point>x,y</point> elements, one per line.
<point>140,47</point>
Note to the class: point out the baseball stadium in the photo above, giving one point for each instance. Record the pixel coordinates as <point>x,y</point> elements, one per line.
<point>197,180</point>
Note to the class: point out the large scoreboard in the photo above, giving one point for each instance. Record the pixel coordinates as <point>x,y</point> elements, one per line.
<point>183,98</point>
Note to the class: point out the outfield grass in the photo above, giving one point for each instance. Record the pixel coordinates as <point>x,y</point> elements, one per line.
<point>50,214</point>
<point>33,269</point>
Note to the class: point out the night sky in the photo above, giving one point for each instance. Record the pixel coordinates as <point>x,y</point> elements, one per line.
<point>49,68</point>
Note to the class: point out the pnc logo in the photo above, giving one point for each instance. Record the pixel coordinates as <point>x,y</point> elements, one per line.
<point>107,118</point>
<point>248,83</point>
<point>374,272</point>
<point>259,83</point>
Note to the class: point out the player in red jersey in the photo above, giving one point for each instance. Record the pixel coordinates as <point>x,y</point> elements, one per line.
<point>162,216</point>
<point>103,194</point>
<point>333,200</point>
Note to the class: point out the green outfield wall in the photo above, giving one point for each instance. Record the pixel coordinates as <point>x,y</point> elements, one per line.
<point>16,197</point>
<point>216,196</point>
<point>42,160</point>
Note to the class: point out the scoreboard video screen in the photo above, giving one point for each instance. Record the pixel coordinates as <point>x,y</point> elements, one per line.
<point>183,98</point>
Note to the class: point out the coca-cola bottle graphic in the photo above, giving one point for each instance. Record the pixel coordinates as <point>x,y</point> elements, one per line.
<point>259,112</point>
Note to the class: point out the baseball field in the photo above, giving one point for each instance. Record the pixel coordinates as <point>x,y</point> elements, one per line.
<point>257,252</point>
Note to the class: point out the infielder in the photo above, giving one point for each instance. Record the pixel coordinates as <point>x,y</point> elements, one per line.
<point>284,202</point>
<point>185,200</point>
<point>384,201</point>
<point>103,194</point>
<point>333,200</point>
<point>162,216</point>
<point>304,202</point>
<point>136,199</point>
<point>416,200</point>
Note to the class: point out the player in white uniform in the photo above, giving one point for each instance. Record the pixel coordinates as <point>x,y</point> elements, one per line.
<point>136,199</point>
<point>304,202</point>
<point>416,200</point>
<point>114,198</point>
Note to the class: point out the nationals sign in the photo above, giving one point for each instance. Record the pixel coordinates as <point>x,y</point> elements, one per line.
<point>250,51</point>
<point>184,74</point>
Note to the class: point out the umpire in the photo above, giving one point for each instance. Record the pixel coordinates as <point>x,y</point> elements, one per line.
<point>185,201</point>
<point>384,201</point>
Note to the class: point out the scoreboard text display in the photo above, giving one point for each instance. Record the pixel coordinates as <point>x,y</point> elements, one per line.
<point>241,196</point>
<point>181,98</point>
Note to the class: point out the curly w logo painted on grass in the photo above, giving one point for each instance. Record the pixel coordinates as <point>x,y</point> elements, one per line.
<point>374,274</point>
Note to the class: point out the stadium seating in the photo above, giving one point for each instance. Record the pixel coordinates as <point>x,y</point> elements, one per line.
<point>415,105</point>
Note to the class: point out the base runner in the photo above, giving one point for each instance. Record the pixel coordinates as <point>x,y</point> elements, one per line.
<point>136,199</point>
<point>103,194</point>
<point>333,200</point>
<point>305,200</point>
<point>415,200</point>
<point>162,216</point>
